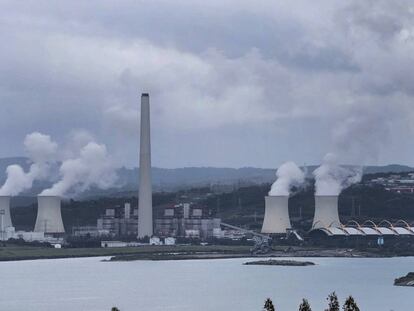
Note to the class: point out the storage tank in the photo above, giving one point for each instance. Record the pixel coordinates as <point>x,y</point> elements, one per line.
<point>49,216</point>
<point>5,218</point>
<point>326,212</point>
<point>276,219</point>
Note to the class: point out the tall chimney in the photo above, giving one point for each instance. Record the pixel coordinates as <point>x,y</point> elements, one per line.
<point>49,216</point>
<point>326,212</point>
<point>276,219</point>
<point>5,219</point>
<point>145,186</point>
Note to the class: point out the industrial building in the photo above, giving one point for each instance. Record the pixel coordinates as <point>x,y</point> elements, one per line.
<point>118,222</point>
<point>327,228</point>
<point>186,220</point>
<point>5,219</point>
<point>89,231</point>
<point>367,233</point>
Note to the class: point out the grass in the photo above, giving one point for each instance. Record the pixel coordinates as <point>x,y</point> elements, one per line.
<point>9,253</point>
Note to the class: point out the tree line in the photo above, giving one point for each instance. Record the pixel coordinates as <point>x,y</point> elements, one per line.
<point>333,304</point>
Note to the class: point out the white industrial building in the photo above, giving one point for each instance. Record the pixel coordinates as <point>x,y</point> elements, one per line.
<point>370,229</point>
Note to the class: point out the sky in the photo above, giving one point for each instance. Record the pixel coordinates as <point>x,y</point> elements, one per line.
<point>232,83</point>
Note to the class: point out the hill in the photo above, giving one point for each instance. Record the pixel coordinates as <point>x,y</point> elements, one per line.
<point>181,178</point>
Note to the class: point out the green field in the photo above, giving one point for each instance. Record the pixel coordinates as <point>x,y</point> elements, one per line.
<point>9,253</point>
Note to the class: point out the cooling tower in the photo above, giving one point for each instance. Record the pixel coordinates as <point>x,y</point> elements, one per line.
<point>276,219</point>
<point>326,212</point>
<point>49,217</point>
<point>145,187</point>
<point>5,219</point>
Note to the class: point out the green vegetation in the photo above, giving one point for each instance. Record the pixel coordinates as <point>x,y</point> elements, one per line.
<point>350,304</point>
<point>333,303</point>
<point>304,306</point>
<point>269,305</point>
<point>13,252</point>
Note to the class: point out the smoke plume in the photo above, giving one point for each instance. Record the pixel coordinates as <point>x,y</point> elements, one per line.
<point>331,178</point>
<point>288,175</point>
<point>42,152</point>
<point>92,168</point>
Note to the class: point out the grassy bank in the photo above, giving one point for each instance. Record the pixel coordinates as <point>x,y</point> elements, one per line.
<point>9,253</point>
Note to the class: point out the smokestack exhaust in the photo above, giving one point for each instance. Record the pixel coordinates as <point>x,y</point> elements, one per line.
<point>276,219</point>
<point>49,216</point>
<point>145,226</point>
<point>326,212</point>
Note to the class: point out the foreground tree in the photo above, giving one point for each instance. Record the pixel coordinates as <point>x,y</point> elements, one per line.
<point>333,304</point>
<point>114,309</point>
<point>269,305</point>
<point>304,306</point>
<point>350,304</point>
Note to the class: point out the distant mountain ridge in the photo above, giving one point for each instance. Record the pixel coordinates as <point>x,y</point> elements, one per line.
<point>180,178</point>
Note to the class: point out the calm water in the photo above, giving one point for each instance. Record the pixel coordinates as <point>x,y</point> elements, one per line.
<point>205,285</point>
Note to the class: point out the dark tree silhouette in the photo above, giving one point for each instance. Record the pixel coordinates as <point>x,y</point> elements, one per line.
<point>269,305</point>
<point>114,309</point>
<point>350,304</point>
<point>333,304</point>
<point>304,306</point>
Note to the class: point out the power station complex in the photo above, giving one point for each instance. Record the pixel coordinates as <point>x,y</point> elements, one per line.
<point>186,221</point>
<point>326,222</point>
<point>49,217</point>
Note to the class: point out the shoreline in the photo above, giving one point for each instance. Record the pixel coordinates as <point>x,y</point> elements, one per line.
<point>183,252</point>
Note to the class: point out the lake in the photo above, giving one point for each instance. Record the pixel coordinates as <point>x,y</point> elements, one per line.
<point>204,285</point>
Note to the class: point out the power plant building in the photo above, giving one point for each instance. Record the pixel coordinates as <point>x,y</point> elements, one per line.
<point>145,221</point>
<point>118,223</point>
<point>186,220</point>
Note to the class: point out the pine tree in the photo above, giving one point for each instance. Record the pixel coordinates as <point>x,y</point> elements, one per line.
<point>269,305</point>
<point>333,302</point>
<point>304,306</point>
<point>350,304</point>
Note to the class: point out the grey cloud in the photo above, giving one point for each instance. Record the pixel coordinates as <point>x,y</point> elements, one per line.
<point>215,71</point>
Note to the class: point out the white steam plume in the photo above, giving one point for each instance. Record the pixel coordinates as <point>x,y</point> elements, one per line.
<point>93,168</point>
<point>331,178</point>
<point>42,152</point>
<point>288,175</point>
<point>17,181</point>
